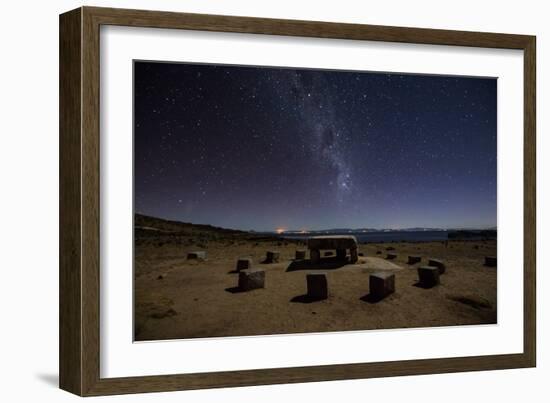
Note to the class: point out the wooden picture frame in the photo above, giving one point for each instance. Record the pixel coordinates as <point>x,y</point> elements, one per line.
<point>79,201</point>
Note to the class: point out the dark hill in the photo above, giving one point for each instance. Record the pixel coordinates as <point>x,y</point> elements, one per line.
<point>153,225</point>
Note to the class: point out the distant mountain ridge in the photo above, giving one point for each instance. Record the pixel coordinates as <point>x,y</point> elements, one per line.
<point>148,223</point>
<point>412,229</point>
<point>356,230</point>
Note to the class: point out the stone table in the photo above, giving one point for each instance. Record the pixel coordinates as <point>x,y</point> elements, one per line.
<point>340,243</point>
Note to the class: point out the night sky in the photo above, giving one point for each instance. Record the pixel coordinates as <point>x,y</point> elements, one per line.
<point>259,148</point>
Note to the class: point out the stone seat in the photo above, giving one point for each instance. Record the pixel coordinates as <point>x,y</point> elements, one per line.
<point>428,276</point>
<point>251,279</point>
<point>414,259</point>
<point>272,256</point>
<point>243,263</point>
<point>437,263</point>
<point>317,286</point>
<point>381,285</point>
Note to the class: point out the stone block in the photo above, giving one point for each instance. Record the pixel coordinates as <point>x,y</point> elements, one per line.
<point>414,259</point>
<point>243,263</point>
<point>353,258</point>
<point>381,285</point>
<point>341,254</point>
<point>272,257</point>
<point>251,279</point>
<point>317,286</point>
<point>428,276</point>
<point>315,255</point>
<point>300,255</point>
<point>201,255</point>
<point>437,263</point>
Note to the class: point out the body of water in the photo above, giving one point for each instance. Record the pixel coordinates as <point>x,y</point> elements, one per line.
<point>386,236</point>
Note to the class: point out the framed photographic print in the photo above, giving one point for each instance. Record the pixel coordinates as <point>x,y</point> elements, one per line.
<point>249,201</point>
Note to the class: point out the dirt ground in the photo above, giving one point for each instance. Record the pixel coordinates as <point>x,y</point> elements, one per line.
<point>177,298</point>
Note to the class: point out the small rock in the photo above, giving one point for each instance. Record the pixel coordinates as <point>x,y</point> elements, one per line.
<point>199,255</point>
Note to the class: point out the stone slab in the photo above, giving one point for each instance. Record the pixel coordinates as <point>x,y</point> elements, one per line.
<point>332,242</point>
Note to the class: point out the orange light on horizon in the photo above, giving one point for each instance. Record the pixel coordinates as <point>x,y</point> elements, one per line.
<point>280,230</point>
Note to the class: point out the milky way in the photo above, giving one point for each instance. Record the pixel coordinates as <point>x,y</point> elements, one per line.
<point>261,148</point>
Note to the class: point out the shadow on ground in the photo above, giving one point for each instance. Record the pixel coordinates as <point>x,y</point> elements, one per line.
<point>371,299</point>
<point>234,290</point>
<point>327,263</point>
<point>306,299</point>
<point>473,301</point>
<point>424,286</point>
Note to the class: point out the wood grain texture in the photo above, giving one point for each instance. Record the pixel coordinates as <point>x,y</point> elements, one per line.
<point>221,23</point>
<point>70,106</point>
<point>90,202</point>
<point>530,202</point>
<point>79,201</point>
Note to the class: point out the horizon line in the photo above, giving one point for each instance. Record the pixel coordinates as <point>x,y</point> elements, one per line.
<point>281,230</point>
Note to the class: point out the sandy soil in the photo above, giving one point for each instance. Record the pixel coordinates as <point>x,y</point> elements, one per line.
<point>180,298</point>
